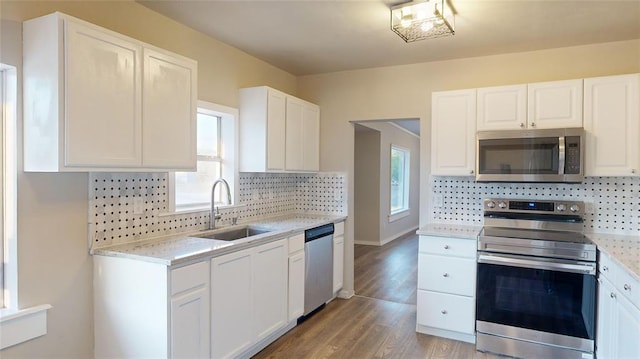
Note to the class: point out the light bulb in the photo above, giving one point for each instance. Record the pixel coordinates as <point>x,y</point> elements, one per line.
<point>426,26</point>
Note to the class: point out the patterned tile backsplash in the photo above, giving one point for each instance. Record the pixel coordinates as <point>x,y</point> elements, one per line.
<point>111,206</point>
<point>612,203</point>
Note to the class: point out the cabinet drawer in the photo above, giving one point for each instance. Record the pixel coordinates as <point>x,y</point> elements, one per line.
<point>447,274</point>
<point>189,277</point>
<point>446,311</point>
<point>628,286</point>
<point>296,243</point>
<point>606,266</point>
<point>448,246</point>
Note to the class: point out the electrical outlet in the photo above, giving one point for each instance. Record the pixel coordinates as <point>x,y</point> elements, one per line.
<point>138,205</point>
<point>438,201</point>
<point>589,208</point>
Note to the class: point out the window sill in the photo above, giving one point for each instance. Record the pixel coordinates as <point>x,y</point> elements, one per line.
<point>398,215</point>
<point>200,209</point>
<point>20,325</point>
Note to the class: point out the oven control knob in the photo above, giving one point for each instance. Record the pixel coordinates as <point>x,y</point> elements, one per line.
<point>561,207</point>
<point>502,205</point>
<point>574,208</point>
<point>491,204</point>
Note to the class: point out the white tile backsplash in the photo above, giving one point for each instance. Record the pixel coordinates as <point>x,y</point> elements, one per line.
<point>112,221</point>
<point>613,203</point>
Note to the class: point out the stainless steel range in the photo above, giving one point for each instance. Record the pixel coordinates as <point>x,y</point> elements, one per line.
<point>536,295</point>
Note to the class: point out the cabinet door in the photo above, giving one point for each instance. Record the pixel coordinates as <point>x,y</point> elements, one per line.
<point>555,104</point>
<point>338,262</point>
<point>276,135</point>
<point>612,125</point>
<point>169,111</point>
<point>628,330</point>
<point>311,137</point>
<point>502,108</point>
<point>190,324</point>
<point>446,311</point>
<point>296,286</point>
<point>295,127</point>
<point>231,304</point>
<point>270,276</point>
<point>103,110</point>
<point>453,129</point>
<point>605,320</point>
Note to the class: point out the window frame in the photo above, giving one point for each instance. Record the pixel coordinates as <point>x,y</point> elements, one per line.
<point>402,212</point>
<point>17,324</point>
<point>228,155</point>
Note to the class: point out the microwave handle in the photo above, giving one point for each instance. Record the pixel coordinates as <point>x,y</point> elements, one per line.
<point>561,155</point>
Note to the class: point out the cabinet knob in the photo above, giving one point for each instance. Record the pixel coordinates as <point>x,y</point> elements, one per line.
<point>446,275</point>
<point>633,170</point>
<point>613,295</point>
<point>627,287</point>
<point>446,246</point>
<point>471,172</point>
<point>444,312</point>
<point>605,268</point>
<point>521,125</point>
<point>533,124</point>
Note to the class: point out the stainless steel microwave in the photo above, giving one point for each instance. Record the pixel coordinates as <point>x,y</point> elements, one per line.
<point>550,155</point>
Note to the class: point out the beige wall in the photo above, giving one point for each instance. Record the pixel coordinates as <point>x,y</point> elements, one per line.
<point>366,214</point>
<point>387,231</point>
<point>54,265</point>
<point>405,92</point>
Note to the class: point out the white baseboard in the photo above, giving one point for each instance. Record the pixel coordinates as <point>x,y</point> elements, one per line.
<point>387,240</point>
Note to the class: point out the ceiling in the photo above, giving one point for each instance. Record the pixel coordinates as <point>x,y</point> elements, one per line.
<point>318,36</point>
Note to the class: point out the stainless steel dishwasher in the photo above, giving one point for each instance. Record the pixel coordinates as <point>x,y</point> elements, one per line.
<point>318,285</point>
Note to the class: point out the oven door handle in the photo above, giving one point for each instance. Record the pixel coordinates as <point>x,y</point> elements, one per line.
<point>581,268</point>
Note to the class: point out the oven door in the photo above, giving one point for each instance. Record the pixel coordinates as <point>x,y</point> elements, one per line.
<point>538,300</point>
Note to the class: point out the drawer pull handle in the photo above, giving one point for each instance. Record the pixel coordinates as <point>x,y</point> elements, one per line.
<point>605,268</point>
<point>627,287</point>
<point>613,295</point>
<point>444,312</point>
<point>446,246</point>
<point>445,275</point>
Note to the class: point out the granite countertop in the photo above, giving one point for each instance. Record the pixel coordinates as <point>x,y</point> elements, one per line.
<point>625,250</point>
<point>178,249</point>
<point>450,230</point>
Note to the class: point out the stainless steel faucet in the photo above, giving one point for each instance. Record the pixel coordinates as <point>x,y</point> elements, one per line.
<point>215,212</point>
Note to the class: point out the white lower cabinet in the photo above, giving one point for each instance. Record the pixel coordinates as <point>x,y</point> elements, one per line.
<point>146,310</point>
<point>296,276</point>
<point>618,323</point>
<point>248,298</point>
<point>338,257</point>
<point>446,287</point>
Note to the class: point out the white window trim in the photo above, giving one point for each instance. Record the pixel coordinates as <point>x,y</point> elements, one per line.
<point>229,115</point>
<point>16,325</point>
<point>403,212</point>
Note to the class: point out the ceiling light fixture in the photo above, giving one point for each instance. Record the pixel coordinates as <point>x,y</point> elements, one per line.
<point>423,19</point>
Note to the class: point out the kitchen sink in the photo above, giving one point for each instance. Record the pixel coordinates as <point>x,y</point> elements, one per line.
<point>237,233</point>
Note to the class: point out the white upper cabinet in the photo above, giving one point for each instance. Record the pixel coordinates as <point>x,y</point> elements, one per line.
<point>502,108</point>
<point>612,125</point>
<point>556,104</point>
<point>169,86</point>
<point>302,135</point>
<point>278,132</point>
<point>453,131</point>
<point>96,100</point>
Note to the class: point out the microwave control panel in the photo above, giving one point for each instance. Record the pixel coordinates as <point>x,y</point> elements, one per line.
<point>572,155</point>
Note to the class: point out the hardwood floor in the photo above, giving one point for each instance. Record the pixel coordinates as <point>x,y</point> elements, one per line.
<point>379,322</point>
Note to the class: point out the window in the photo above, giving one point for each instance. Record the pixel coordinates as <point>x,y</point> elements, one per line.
<point>399,178</point>
<point>216,143</point>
